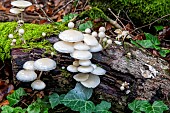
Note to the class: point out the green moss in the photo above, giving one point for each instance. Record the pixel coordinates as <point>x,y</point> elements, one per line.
<point>144,11</point>
<point>32,35</point>
<point>65,73</point>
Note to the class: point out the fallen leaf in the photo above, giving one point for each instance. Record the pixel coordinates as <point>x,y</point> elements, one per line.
<point>5,102</point>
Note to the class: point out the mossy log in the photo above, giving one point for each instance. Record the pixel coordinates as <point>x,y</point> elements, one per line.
<point>120,68</point>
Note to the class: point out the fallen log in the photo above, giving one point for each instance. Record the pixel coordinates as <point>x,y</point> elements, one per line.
<point>120,68</point>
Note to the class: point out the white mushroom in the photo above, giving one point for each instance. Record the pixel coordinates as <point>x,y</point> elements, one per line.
<point>44,64</point>
<point>71,36</point>
<point>81,46</point>
<point>94,33</point>
<point>76,63</point>
<point>90,40</point>
<point>15,11</point>
<point>82,55</point>
<point>72,68</point>
<point>98,71</point>
<point>21,3</point>
<point>11,36</point>
<point>101,35</point>
<point>102,29</point>
<point>38,85</point>
<point>21,31</point>
<point>85,69</point>
<point>94,66</point>
<point>29,65</point>
<point>88,30</point>
<point>96,48</point>
<point>64,47</point>
<point>26,75</point>
<point>70,25</point>
<point>81,77</point>
<point>92,82</point>
<point>85,62</point>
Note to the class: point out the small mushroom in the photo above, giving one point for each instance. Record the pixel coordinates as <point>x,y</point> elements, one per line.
<point>94,33</point>
<point>70,25</point>
<point>102,29</point>
<point>15,11</point>
<point>38,85</point>
<point>76,63</point>
<point>81,46</point>
<point>101,35</point>
<point>92,82</point>
<point>81,77</point>
<point>88,30</point>
<point>26,75</point>
<point>71,36</point>
<point>44,64</point>
<point>72,68</point>
<point>84,62</point>
<point>98,71</point>
<point>90,40</point>
<point>21,3</point>
<point>85,69</point>
<point>64,47</point>
<point>96,48</point>
<point>29,65</point>
<point>82,55</point>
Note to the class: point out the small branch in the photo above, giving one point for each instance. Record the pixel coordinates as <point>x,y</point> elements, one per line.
<point>150,24</point>
<point>47,17</point>
<point>116,18</point>
<point>62,7</point>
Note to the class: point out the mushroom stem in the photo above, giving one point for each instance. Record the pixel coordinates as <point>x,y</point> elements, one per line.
<point>39,76</point>
<point>22,15</point>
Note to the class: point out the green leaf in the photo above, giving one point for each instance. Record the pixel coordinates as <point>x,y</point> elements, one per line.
<point>76,99</point>
<point>54,100</point>
<point>103,107</point>
<point>152,38</point>
<point>7,109</point>
<point>135,43</point>
<point>136,104</point>
<point>85,25</point>
<point>158,28</point>
<point>164,52</point>
<point>19,110</point>
<point>157,107</point>
<point>145,43</point>
<point>14,98</point>
<point>68,17</point>
<point>33,108</point>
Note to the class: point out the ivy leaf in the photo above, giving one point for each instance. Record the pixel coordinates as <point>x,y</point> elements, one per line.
<point>136,104</point>
<point>103,107</point>
<point>15,97</point>
<point>157,107</point>
<point>76,99</point>
<point>68,17</point>
<point>164,52</point>
<point>158,28</point>
<point>85,25</point>
<point>33,108</point>
<point>54,99</point>
<point>7,109</point>
<point>152,38</point>
<point>145,43</point>
<point>19,110</point>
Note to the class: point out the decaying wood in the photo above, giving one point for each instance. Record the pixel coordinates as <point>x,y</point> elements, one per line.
<point>120,68</point>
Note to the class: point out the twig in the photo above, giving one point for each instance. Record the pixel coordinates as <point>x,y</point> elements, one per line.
<point>150,24</point>
<point>62,7</point>
<point>129,18</point>
<point>117,18</point>
<point>2,67</point>
<point>48,18</point>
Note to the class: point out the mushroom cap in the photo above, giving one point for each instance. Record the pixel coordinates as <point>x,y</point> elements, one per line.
<point>64,47</point>
<point>85,69</point>
<point>15,10</point>
<point>76,63</point>
<point>26,75</point>
<point>90,40</point>
<point>72,68</point>
<point>94,65</point>
<point>81,77</point>
<point>96,48</point>
<point>98,71</point>
<point>84,62</point>
<point>81,46</point>
<point>71,36</point>
<point>92,82</point>
<point>21,3</point>
<point>82,55</point>
<point>44,64</point>
<point>29,65</point>
<point>38,85</point>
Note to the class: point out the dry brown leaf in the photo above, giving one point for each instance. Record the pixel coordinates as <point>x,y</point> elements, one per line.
<point>5,102</point>
<point>2,8</point>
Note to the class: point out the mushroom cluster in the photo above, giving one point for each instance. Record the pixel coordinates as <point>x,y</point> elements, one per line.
<point>28,73</point>
<point>80,46</point>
